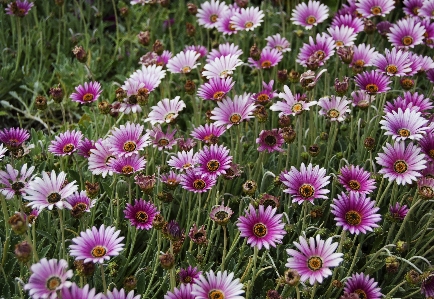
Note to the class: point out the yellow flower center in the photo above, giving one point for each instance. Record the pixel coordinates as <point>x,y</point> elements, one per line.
<point>169,117</point>
<point>53,283</point>
<point>68,148</point>
<point>306,190</point>
<point>376,10</point>
<point>311,20</point>
<point>297,108</point>
<point>199,184</point>
<point>403,132</point>
<point>213,165</point>
<point>314,263</point>
<point>407,40</point>
<point>216,294</point>
<point>260,230</point>
<point>141,216</point>
<point>354,185</point>
<point>218,95</point>
<point>263,98</point>
<point>87,97</point>
<point>185,69</point>
<point>235,119</point>
<point>266,64</point>
<point>339,43</point>
<point>372,88</point>
<point>213,18</point>
<point>129,146</point>
<point>98,251</point>
<point>400,166</point>
<point>248,25</point>
<point>163,142</point>
<point>391,69</point>
<point>359,63</point>
<point>127,169</point>
<point>333,113</point>
<point>361,293</point>
<point>353,217</point>
<point>431,153</point>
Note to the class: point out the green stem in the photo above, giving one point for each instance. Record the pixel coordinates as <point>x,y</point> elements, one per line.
<point>225,241</point>
<point>62,230</point>
<point>104,284</point>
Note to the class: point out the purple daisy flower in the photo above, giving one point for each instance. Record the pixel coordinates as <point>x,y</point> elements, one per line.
<point>189,275</point>
<point>268,59</point>
<point>194,182</point>
<point>224,23</point>
<point>363,56</point>
<point>383,28</point>
<point>215,89</point>
<point>427,145</point>
<point>373,82</point>
<point>199,49</point>
<point>49,191</point>
<point>13,138</point>
<point>48,277</point>
<point>373,8</point>
<point>66,143</point>
<point>315,258</point>
<point>141,214</point>
<point>404,125</point>
<point>426,62</point>
<point>355,212</point>
<point>310,14</point>
<point>97,245</point>
<point>356,179</point>
<point>334,107</point>
<point>160,139</point>
<point>400,163</point>
<point>164,58</point>
<point>185,144</point>
<point>166,111</point>
<point>120,294</point>
<point>291,105</point>
<point>221,214</point>
<point>233,112</point>
<point>247,19</point>
<point>262,227</point>
<point>360,284</point>
<point>406,33</point>
<point>343,35</point>
<point>209,13</point>
<point>99,159</point>
<point>198,235</point>
<point>182,292</point>
<point>398,212</point>
<point>270,140</point>
<point>212,161</point>
<point>14,182</point>
<point>430,75</point>
<point>266,94</point>
<point>411,7</point>
<point>171,179</point>
<point>183,62</point>
<point>221,67</point>
<point>425,187</point>
<point>321,49</point>
<point>84,147</point>
<point>361,99</point>
<point>413,101</point>
<point>79,201</point>
<point>278,42</point>
<point>127,165</point>
<point>427,11</point>
<point>182,161</point>
<point>306,184</point>
<point>75,292</point>
<point>224,50</point>
<point>87,93</point>
<point>19,8</point>
<point>149,74</point>
<point>220,285</point>
<point>394,63</point>
<point>128,140</point>
<point>209,133</point>
<point>350,21</point>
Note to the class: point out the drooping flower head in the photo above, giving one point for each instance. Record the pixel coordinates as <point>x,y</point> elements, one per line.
<point>291,105</point>
<point>127,140</point>
<point>87,93</point>
<point>262,227</point>
<point>233,112</point>
<point>269,58</point>
<point>310,14</point>
<point>19,8</point>
<point>270,140</point>
<point>141,214</point>
<point>401,163</point>
<point>393,63</point>
<point>306,184</point>
<point>166,111</point>
<point>314,259</point>
<point>13,138</point>
<point>183,62</point>
<point>209,13</point>
<point>363,285</point>
<point>194,182</point>
<point>219,285</point>
<point>374,8</point>
<point>402,125</point>
<point>406,33</point>
<point>215,89</point>
<point>48,277</point>
<point>14,182</point>
<point>355,212</point>
<point>334,107</point>
<point>356,179</point>
<point>97,245</point>
<point>373,82</point>
<point>213,160</point>
<point>181,292</point>
<point>65,144</point>
<point>221,67</point>
<point>247,19</point>
<point>320,50</point>
<point>49,191</point>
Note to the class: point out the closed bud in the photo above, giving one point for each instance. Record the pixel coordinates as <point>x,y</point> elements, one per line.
<point>144,37</point>
<point>192,8</point>
<point>401,246</point>
<point>23,251</point>
<point>158,222</point>
<point>314,150</point>
<point>369,143</point>
<point>142,96</point>
<point>123,11</point>
<point>304,156</point>
<point>341,87</point>
<point>261,114</point>
<point>190,87</point>
<point>284,121</point>
<point>392,264</point>
<point>289,134</point>
<point>299,33</point>
<point>273,294</point>
<point>255,53</point>
<point>165,197</point>
<point>18,223</point>
<point>324,136</point>
<point>113,269</point>
<point>120,94</point>
<point>346,54</point>
<point>104,107</point>
<point>130,283</point>
<point>41,103</point>
<point>406,83</point>
<point>191,30</point>
<point>316,212</point>
<point>413,277</point>
<point>158,47</point>
<point>337,284</point>
<point>84,269</point>
<point>249,187</point>
<point>369,26</point>
<point>56,93</point>
<point>78,210</point>
<point>282,76</point>
<point>167,261</point>
<point>177,246</point>
<point>80,54</point>
<point>242,3</point>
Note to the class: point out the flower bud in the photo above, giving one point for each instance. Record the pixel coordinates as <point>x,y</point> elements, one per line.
<point>406,83</point>
<point>56,93</point>
<point>41,103</point>
<point>192,8</point>
<point>255,53</point>
<point>191,30</point>
<point>273,294</point>
<point>282,76</point>
<point>123,11</point>
<point>104,107</point>
<point>242,3</point>
<point>249,187</point>
<point>341,87</point>
<point>92,189</point>
<point>190,87</point>
<point>294,76</point>
<point>79,53</point>
<point>369,143</point>
<point>84,269</point>
<point>144,37</point>
<point>158,221</point>
<point>412,277</point>
<point>292,277</point>
<point>167,261</point>
<point>158,47</point>
<point>130,283</point>
<point>314,150</point>
<point>23,251</point>
<point>369,26</point>
<point>120,94</point>
<point>392,264</point>
<point>288,134</point>
<point>18,223</point>
<point>401,246</point>
<point>346,54</point>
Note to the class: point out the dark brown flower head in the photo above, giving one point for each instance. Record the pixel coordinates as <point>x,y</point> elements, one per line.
<point>130,283</point>
<point>294,76</point>
<point>341,87</point>
<point>261,113</point>
<point>190,87</point>
<point>56,93</point>
<point>269,200</point>
<point>282,76</point>
<point>158,222</point>
<point>273,294</point>
<point>292,277</point>
<point>144,37</point>
<point>177,246</point>
<point>392,264</point>
<point>242,3</point>
<point>164,3</point>
<point>369,143</point>
<point>190,29</point>
<point>369,26</point>
<point>413,277</point>
<point>41,103</point>
<point>233,172</point>
<point>249,187</point>
<point>120,94</point>
<point>198,235</point>
<point>284,121</point>
<point>84,269</point>
<point>78,210</point>
<point>18,223</point>
<point>316,212</point>
<point>192,8</point>
<point>288,134</point>
<point>208,115</point>
<point>158,47</point>
<point>314,150</point>
<point>255,52</point>
<point>114,109</point>
<point>167,261</point>
<point>346,54</point>
<point>104,107</point>
<point>406,83</point>
<point>337,284</point>
<point>23,251</point>
<point>79,53</point>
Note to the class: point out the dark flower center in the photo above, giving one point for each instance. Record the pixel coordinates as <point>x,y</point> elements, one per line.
<point>68,148</point>
<point>372,88</point>
<point>314,263</point>
<point>132,100</point>
<point>169,117</point>
<point>392,69</point>
<point>213,18</point>
<point>216,294</point>
<point>354,185</point>
<point>415,10</point>
<point>87,97</point>
<point>163,142</point>
<point>353,217</point>
<point>376,10</point>
<point>218,95</point>
<point>263,98</point>
<point>361,293</point>
<point>400,166</point>
<point>17,186</point>
<point>266,64</point>
<point>221,215</point>
<point>232,27</point>
<point>311,20</point>
<point>248,25</point>
<point>199,184</point>
<point>142,92</point>
<point>127,169</point>
<point>306,190</point>
<point>54,197</point>
<point>53,283</point>
<point>141,216</point>
<point>359,63</point>
<point>187,279</point>
<point>129,146</point>
<point>431,153</point>
<point>260,230</point>
<point>186,166</point>
<point>107,160</point>
<point>319,55</point>
<point>426,191</point>
<point>403,132</point>
<point>98,251</point>
<point>213,165</point>
<point>333,113</point>
<point>270,140</point>
<point>269,202</point>
<point>407,40</point>
<point>198,235</point>
<point>235,118</point>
